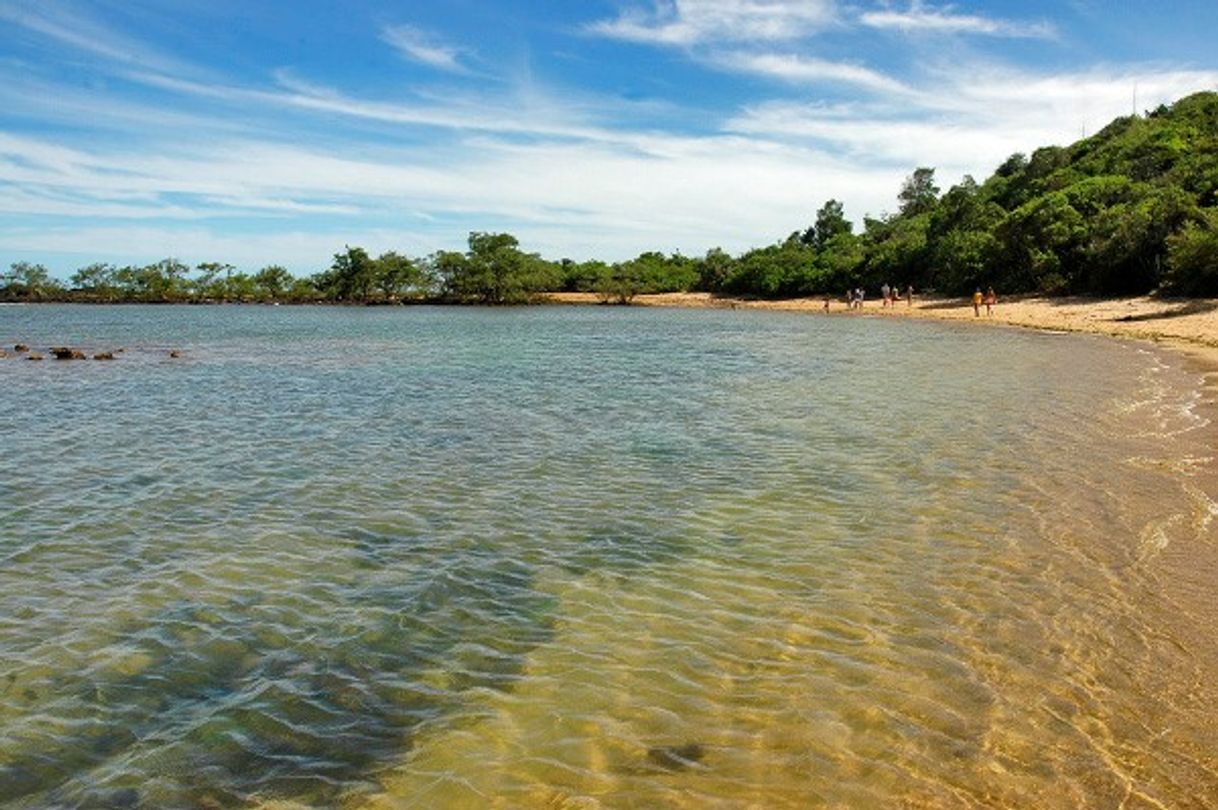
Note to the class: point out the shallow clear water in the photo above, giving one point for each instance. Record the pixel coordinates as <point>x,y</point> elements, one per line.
<point>600,557</point>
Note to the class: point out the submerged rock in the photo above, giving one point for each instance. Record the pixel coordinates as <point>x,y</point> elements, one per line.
<point>676,757</point>
<point>104,356</point>
<point>174,353</point>
<point>34,356</point>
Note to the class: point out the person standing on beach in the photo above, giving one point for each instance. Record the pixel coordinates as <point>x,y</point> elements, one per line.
<point>991,298</point>
<point>977,303</point>
<point>909,296</point>
<point>884,292</point>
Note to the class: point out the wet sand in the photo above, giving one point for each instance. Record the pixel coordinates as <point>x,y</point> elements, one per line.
<point>1186,324</point>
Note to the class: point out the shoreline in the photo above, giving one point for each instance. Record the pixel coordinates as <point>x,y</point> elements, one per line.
<point>1189,326</point>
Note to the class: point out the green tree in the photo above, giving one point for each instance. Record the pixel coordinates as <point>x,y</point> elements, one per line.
<point>919,192</point>
<point>1127,243</point>
<point>212,280</point>
<point>896,250</point>
<point>1192,257</point>
<point>830,221</point>
<point>350,278</point>
<point>303,290</point>
<point>1042,241</point>
<point>399,276</point>
<point>495,271</point>
<point>838,263</point>
<point>28,282</point>
<point>159,282</point>
<point>714,269</point>
<point>784,269</point>
<point>272,282</point>
<point>583,276</point>
<point>244,288</point>
<point>125,282</point>
<point>95,282</point>
<point>621,283</point>
<point>659,273</point>
<point>963,261</point>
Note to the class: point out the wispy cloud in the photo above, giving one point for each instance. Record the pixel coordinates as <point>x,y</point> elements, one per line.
<point>420,46</point>
<point>86,34</point>
<point>973,119</point>
<point>695,22</point>
<point>809,70</point>
<point>458,112</point>
<point>922,18</point>
<point>301,250</point>
<point>663,190</point>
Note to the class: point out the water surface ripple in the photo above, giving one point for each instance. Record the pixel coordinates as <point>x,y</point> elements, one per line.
<point>600,557</point>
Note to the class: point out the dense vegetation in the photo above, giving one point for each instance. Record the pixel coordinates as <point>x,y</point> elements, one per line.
<point>1132,209</point>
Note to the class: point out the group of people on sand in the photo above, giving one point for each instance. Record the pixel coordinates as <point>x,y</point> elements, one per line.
<point>889,293</point>
<point>989,298</point>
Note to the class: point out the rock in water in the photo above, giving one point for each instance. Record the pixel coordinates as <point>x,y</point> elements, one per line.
<point>67,353</point>
<point>34,356</point>
<point>104,356</point>
<point>21,347</point>
<point>676,757</point>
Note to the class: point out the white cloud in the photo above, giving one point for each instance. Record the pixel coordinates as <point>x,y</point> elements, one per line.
<point>953,145</point>
<point>417,45</point>
<point>506,114</point>
<point>55,22</point>
<point>974,118</point>
<point>929,19</point>
<point>693,22</point>
<point>578,199</point>
<point>301,251</point>
<point>1103,92</point>
<point>809,70</point>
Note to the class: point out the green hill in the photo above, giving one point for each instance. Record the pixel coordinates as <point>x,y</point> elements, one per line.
<point>1132,209</point>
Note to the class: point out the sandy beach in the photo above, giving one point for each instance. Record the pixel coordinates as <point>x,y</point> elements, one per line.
<point>1190,325</point>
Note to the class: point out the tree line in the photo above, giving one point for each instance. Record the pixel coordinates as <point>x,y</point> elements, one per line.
<point>1132,209</point>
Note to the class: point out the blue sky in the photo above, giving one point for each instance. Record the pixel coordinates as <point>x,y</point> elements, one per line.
<point>277,132</point>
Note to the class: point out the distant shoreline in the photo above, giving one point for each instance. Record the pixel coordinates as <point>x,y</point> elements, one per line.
<point>1186,324</point>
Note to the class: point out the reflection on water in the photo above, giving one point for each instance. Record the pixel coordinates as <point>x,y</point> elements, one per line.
<point>600,558</point>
